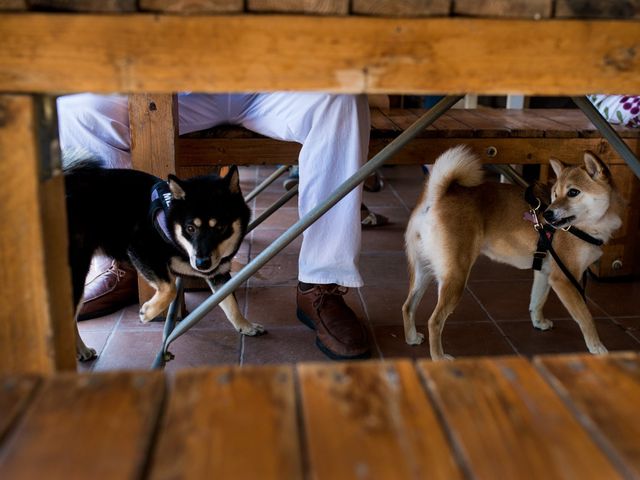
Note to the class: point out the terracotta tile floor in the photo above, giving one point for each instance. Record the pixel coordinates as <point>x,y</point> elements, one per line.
<point>492,318</point>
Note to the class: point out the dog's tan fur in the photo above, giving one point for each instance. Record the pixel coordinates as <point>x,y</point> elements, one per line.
<point>458,218</point>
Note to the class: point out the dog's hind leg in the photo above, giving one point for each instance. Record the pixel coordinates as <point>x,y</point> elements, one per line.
<point>419,278</point>
<point>450,290</point>
<point>79,261</point>
<point>231,309</point>
<point>162,298</point>
<point>573,302</point>
<point>539,294</point>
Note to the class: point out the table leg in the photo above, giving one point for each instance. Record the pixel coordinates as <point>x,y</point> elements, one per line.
<point>36,316</point>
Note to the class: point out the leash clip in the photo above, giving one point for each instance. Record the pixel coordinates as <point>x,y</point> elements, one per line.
<point>536,223</point>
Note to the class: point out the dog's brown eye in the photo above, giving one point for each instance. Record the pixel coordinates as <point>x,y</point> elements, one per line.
<point>573,192</point>
<point>190,229</point>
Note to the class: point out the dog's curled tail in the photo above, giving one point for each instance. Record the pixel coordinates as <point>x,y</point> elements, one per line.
<point>456,165</point>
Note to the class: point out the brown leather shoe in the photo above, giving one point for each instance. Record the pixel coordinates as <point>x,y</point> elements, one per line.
<point>339,333</point>
<point>110,290</point>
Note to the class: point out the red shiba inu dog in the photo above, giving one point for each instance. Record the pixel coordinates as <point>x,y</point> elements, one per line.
<point>458,217</point>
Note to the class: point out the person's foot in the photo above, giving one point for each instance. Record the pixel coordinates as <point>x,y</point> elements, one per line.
<point>339,333</point>
<point>370,219</point>
<point>293,178</point>
<point>113,288</point>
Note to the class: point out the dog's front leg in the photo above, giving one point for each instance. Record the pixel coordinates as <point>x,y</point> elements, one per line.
<point>83,353</point>
<point>162,298</point>
<point>231,309</point>
<point>573,302</point>
<point>539,294</point>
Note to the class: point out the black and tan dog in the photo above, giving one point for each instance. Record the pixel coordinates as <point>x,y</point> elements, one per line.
<point>458,218</point>
<point>188,227</point>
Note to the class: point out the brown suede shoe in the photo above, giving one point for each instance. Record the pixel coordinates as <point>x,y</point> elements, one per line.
<point>109,291</point>
<point>339,333</point>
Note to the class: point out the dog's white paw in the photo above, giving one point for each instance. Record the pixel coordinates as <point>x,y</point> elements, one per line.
<point>252,330</point>
<point>543,324</point>
<point>598,349</point>
<point>415,339</point>
<point>148,311</point>
<point>85,354</point>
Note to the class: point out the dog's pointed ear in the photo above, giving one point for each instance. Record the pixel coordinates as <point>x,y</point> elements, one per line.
<point>596,168</point>
<point>176,189</point>
<point>557,166</point>
<point>233,179</point>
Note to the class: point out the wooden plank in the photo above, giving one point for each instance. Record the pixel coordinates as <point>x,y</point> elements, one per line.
<point>402,8</point>
<point>153,123</point>
<point>13,5</point>
<point>516,121</point>
<point>621,253</point>
<point>230,422</point>
<point>371,420</point>
<point>86,426</point>
<point>381,125</point>
<point>483,126</point>
<point>448,125</point>
<point>603,391</point>
<point>211,151</point>
<point>36,318</point>
<point>504,8</point>
<point>193,6</point>
<point>96,6</point>
<point>319,7</point>
<point>508,423</point>
<point>622,9</point>
<point>224,151</point>
<point>15,393</point>
<point>164,53</point>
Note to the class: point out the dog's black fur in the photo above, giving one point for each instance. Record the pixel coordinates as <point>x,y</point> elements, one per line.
<point>108,210</point>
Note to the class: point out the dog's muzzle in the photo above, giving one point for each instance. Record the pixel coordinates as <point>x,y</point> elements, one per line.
<point>203,263</point>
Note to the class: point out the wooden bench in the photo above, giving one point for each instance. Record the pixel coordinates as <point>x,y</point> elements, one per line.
<point>554,417</point>
<point>499,136</point>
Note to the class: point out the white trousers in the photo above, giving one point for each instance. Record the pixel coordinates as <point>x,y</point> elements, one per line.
<point>333,131</point>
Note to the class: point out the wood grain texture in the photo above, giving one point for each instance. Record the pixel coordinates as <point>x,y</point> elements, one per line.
<point>36,320</point>
<point>319,7</point>
<point>604,392</point>
<point>622,9</point>
<point>509,423</point>
<point>167,53</point>
<point>15,393</point>
<point>210,151</point>
<point>193,6</point>
<point>504,8</point>
<point>153,126</point>
<point>230,422</point>
<point>402,8</point>
<point>368,420</point>
<point>86,426</point>
<point>97,6</point>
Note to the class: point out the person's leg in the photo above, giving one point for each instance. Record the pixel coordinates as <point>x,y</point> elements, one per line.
<point>334,133</point>
<point>99,124</point>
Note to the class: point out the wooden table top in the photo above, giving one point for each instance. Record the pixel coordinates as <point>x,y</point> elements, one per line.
<point>554,417</point>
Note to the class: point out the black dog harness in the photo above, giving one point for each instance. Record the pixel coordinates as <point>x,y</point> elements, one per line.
<point>545,240</point>
<point>160,202</point>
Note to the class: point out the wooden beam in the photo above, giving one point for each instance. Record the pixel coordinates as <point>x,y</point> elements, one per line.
<point>167,53</point>
<point>193,6</point>
<point>318,7</point>
<point>36,316</point>
<point>401,8</point>
<point>153,120</point>
<point>504,8</point>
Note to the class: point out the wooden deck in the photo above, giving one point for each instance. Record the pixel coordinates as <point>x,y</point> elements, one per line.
<point>555,418</point>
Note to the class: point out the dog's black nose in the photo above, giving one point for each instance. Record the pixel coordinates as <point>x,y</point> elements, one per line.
<point>549,215</point>
<point>203,263</point>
